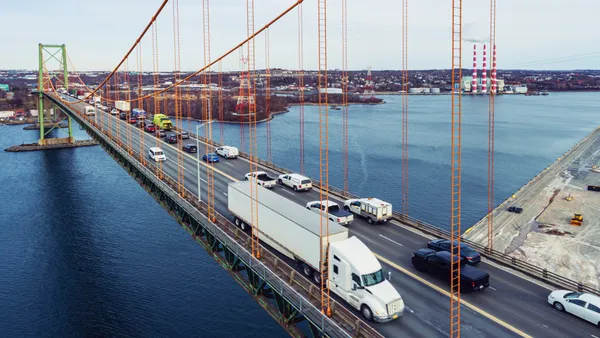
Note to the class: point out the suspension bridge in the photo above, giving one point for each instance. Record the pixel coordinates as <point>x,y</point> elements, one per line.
<point>514,306</point>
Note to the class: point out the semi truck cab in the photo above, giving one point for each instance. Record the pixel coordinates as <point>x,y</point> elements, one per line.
<point>357,276</point>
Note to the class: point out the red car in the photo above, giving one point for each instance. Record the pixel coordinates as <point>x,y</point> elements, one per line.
<point>150,128</point>
<point>132,120</point>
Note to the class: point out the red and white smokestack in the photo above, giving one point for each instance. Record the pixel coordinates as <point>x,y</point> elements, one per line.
<point>474,82</point>
<point>494,88</point>
<point>484,71</point>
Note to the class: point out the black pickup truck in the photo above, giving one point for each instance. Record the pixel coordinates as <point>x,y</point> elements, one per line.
<point>438,263</point>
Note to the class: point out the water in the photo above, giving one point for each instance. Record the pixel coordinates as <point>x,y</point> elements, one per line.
<point>84,250</point>
<point>531,133</point>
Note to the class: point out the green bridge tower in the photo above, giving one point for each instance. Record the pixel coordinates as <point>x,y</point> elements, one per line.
<point>52,51</point>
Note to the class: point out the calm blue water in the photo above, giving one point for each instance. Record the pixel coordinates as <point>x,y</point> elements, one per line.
<point>531,133</point>
<point>84,250</point>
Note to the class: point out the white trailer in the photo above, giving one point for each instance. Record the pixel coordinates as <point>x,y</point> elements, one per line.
<point>355,274</point>
<point>122,105</point>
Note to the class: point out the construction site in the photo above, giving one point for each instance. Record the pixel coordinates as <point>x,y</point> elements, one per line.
<point>554,220</point>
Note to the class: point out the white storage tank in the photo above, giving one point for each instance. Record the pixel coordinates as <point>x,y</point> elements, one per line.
<point>415,90</point>
<point>426,90</point>
<point>435,90</point>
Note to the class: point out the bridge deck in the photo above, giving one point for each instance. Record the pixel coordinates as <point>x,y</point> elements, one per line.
<point>515,306</point>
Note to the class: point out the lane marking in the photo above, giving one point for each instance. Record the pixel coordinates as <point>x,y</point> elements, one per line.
<point>225,193</point>
<point>391,240</point>
<point>447,294</point>
<point>491,287</point>
<point>289,192</point>
<point>229,164</point>
<point>544,325</point>
<point>593,336</point>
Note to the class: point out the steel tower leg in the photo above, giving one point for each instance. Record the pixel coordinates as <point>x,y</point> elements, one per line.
<point>41,94</point>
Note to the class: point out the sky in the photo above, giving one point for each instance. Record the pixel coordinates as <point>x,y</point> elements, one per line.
<point>531,34</point>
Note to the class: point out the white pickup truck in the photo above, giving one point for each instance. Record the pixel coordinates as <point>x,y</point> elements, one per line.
<point>334,212</point>
<point>295,181</point>
<point>263,179</point>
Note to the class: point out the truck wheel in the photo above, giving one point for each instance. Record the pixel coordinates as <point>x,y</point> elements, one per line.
<point>243,226</point>
<point>346,208</point>
<point>370,220</point>
<point>366,312</point>
<point>279,181</point>
<point>295,188</point>
<point>245,178</point>
<point>307,270</point>
<point>317,277</point>
<point>237,222</point>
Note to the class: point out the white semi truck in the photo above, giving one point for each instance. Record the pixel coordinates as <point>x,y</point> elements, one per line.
<point>355,274</point>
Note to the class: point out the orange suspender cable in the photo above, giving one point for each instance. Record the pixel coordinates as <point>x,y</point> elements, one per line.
<point>455,232</point>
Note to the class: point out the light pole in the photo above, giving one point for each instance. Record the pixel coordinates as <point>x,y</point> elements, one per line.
<point>198,162</point>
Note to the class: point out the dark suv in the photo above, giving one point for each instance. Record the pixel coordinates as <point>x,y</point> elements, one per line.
<point>190,148</point>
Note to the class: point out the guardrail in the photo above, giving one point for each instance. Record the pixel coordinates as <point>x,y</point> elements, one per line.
<point>496,256</point>
<point>298,290</point>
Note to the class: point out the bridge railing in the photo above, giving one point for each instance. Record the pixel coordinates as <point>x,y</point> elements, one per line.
<point>298,290</point>
<point>497,256</point>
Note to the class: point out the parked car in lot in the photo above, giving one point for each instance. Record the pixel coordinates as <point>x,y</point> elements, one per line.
<point>515,209</point>
<point>438,263</point>
<point>583,305</point>
<point>469,254</point>
<point>210,158</point>
<point>190,148</point>
<point>227,151</point>
<point>295,181</point>
<point>157,154</point>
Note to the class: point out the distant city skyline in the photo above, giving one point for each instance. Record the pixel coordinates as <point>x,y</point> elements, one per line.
<point>534,34</point>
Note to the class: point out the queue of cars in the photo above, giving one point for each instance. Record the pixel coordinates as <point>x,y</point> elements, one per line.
<point>434,260</point>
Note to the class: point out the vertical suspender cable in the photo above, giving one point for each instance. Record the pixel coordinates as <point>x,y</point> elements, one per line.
<point>178,117</point>
<point>345,83</point>
<point>405,107</point>
<point>210,175</point>
<point>301,84</point>
<point>268,95</point>
<point>491,127</point>
<point>323,155</point>
<point>455,232</point>
<point>252,146</point>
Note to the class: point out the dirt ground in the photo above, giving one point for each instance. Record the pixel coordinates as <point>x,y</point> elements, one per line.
<point>542,233</point>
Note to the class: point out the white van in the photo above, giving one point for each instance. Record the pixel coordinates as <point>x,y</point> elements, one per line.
<point>157,154</point>
<point>227,151</point>
<point>295,181</point>
<point>89,111</point>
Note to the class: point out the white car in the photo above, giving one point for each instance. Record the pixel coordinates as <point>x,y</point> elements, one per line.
<point>295,181</point>
<point>157,154</point>
<point>114,111</point>
<point>227,151</point>
<point>580,304</point>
